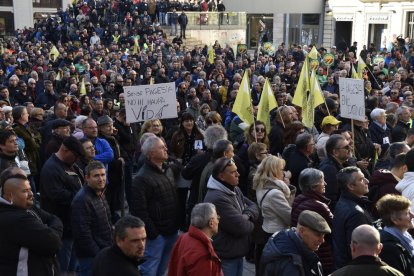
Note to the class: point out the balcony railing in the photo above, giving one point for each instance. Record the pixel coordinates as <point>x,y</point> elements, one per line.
<point>47,4</point>
<point>6,3</point>
<point>215,20</point>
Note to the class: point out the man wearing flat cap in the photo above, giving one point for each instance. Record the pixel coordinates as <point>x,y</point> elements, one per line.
<point>292,251</point>
<point>60,180</point>
<point>60,131</point>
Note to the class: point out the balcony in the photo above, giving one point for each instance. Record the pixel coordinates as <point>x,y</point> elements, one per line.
<point>215,20</point>
<point>47,4</point>
<point>6,3</point>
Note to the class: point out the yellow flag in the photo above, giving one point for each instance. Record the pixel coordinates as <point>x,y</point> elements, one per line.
<point>300,97</point>
<point>315,98</point>
<point>243,103</point>
<point>361,67</point>
<point>54,51</point>
<point>313,54</point>
<point>354,73</point>
<point>211,55</point>
<point>83,87</point>
<point>267,103</point>
<point>136,47</point>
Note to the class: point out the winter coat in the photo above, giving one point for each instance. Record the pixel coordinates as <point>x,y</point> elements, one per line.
<point>193,254</point>
<point>406,187</point>
<point>277,205</point>
<point>295,163</point>
<point>318,203</point>
<point>112,261</point>
<point>29,241</point>
<point>367,265</point>
<point>395,255</point>
<point>399,132</point>
<point>379,135</point>
<point>32,146</point>
<point>382,182</point>
<point>350,212</point>
<point>58,186</point>
<point>91,223</point>
<point>286,254</point>
<point>330,167</point>
<point>232,240</point>
<point>154,200</point>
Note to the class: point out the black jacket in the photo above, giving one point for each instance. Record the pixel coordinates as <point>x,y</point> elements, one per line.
<point>395,255</point>
<point>378,135</point>
<point>154,200</point>
<point>112,261</point>
<point>295,163</point>
<point>350,212</point>
<point>29,237</point>
<point>399,132</point>
<point>276,139</point>
<point>330,167</point>
<point>286,254</point>
<point>91,223</point>
<point>58,186</point>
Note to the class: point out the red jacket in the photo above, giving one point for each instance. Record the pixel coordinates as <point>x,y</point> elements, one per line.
<point>193,254</point>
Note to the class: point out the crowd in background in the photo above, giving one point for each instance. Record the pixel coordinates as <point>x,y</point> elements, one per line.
<point>63,123</point>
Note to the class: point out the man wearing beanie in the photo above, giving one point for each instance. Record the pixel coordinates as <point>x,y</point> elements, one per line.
<point>292,251</point>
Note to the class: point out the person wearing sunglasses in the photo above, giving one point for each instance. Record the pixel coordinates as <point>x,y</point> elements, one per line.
<point>237,213</point>
<point>338,152</point>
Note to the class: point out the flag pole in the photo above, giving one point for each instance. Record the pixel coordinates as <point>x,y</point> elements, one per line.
<point>353,136</point>
<point>281,118</point>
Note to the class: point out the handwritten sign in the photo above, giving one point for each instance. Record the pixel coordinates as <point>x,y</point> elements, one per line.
<point>146,102</point>
<point>351,92</point>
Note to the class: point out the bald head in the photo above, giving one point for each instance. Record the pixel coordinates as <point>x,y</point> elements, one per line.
<point>365,241</point>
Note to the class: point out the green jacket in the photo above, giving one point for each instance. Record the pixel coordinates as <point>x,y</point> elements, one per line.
<point>367,265</point>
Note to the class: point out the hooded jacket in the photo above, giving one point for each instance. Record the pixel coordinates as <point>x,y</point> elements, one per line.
<point>232,240</point>
<point>406,187</point>
<point>286,254</point>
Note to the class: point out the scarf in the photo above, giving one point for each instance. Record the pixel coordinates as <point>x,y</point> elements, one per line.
<point>405,238</point>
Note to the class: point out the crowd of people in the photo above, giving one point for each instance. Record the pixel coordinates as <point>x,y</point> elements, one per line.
<point>84,191</point>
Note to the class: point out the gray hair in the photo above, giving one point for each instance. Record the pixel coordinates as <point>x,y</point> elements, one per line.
<point>214,133</point>
<point>145,136</point>
<point>400,110</point>
<point>149,145</point>
<point>309,178</point>
<point>346,177</point>
<point>201,214</point>
<point>376,113</point>
<point>303,140</point>
<point>219,147</point>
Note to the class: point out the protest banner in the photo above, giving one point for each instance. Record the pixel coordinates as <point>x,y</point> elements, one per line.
<point>352,98</point>
<point>146,102</point>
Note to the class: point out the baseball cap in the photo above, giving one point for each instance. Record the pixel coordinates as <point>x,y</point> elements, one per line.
<point>330,120</point>
<point>314,221</point>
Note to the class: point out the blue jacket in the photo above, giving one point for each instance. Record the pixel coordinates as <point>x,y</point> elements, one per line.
<point>104,151</point>
<point>330,167</point>
<point>377,136</point>
<point>286,254</point>
<point>350,212</point>
<point>46,100</point>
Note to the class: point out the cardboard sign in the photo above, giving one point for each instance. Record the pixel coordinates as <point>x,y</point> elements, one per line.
<point>146,102</point>
<point>351,92</point>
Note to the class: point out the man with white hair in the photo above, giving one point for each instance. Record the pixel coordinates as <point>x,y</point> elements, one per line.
<point>365,248</point>
<point>380,133</point>
<point>154,200</point>
<point>399,132</point>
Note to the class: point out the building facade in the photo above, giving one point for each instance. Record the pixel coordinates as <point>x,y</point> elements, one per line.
<point>367,21</point>
<point>17,14</point>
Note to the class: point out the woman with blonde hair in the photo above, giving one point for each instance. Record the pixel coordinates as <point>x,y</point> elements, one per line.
<point>274,196</point>
<point>153,126</point>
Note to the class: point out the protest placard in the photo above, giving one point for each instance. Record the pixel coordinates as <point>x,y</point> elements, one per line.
<point>146,102</point>
<point>352,98</point>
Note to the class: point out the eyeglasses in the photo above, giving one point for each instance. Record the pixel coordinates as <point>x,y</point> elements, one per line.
<point>262,130</point>
<point>228,162</point>
<point>347,147</point>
